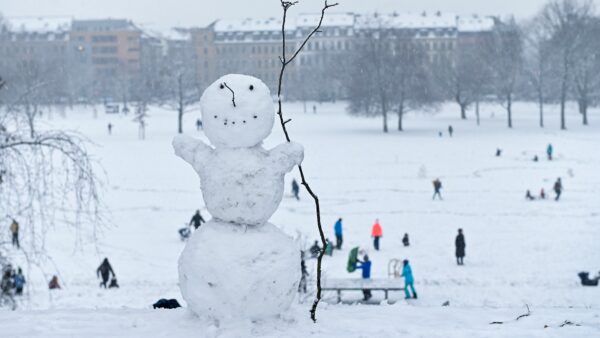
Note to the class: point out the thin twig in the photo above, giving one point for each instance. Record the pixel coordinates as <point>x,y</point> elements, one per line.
<point>284,63</point>
<point>232,93</point>
<point>519,317</point>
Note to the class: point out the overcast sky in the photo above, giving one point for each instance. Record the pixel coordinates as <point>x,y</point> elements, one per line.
<point>167,13</point>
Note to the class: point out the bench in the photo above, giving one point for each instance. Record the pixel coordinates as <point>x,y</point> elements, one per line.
<point>384,285</point>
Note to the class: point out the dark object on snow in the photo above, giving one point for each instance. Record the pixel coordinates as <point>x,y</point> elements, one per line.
<point>450,130</point>
<point>184,233</point>
<point>549,151</point>
<point>295,189</point>
<point>542,194</point>
<point>405,240</point>
<point>166,304</point>
<point>558,188</point>
<point>197,220</point>
<point>315,250</point>
<point>53,283</point>
<point>339,238</point>
<point>586,281</point>
<point>105,270</point>
<point>460,247</point>
<point>535,158</point>
<point>498,152</point>
<point>446,303</point>
<point>529,196</point>
<point>113,283</point>
<point>437,187</point>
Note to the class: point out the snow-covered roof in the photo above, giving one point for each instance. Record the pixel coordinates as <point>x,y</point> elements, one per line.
<point>251,25</point>
<point>40,24</point>
<point>170,33</point>
<point>330,20</point>
<point>408,21</point>
<point>475,23</point>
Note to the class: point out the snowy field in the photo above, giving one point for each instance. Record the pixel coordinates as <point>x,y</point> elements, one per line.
<point>518,252</point>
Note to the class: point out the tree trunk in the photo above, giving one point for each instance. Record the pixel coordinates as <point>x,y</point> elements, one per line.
<point>384,113</point>
<point>463,111</point>
<point>583,108</point>
<point>563,92</point>
<point>509,109</point>
<point>400,116</point>
<point>477,111</point>
<point>180,120</point>
<point>541,107</point>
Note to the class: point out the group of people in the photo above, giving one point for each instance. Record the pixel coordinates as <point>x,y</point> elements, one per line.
<point>558,188</point>
<point>12,282</point>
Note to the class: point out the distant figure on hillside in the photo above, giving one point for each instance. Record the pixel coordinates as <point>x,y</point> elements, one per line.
<point>339,237</point>
<point>14,230</point>
<point>440,134</point>
<point>376,233</point>
<point>529,196</point>
<point>437,187</point>
<point>365,266</point>
<point>53,283</point>
<point>295,189</point>
<point>498,152</point>
<point>542,194</point>
<point>549,151</point>
<point>450,130</point>
<point>315,250</point>
<point>558,188</point>
<point>460,247</point>
<point>405,240</point>
<point>19,281</point>
<point>536,158</point>
<point>314,108</point>
<point>198,124</point>
<point>103,271</point>
<point>110,126</point>
<point>197,220</point>
<point>408,280</point>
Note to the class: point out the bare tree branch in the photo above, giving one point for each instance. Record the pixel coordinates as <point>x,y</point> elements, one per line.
<point>286,5</point>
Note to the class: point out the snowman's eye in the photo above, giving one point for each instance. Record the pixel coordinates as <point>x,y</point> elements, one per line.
<point>222,86</point>
<point>251,87</point>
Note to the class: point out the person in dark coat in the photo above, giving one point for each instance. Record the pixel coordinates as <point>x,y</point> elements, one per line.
<point>19,281</point>
<point>405,240</point>
<point>295,189</point>
<point>558,188</point>
<point>460,247</point>
<point>110,126</point>
<point>498,152</point>
<point>338,234</point>
<point>315,250</point>
<point>542,194</point>
<point>53,283</point>
<point>450,130</point>
<point>437,188</point>
<point>14,229</point>
<point>529,196</point>
<point>105,270</point>
<point>197,220</point>
<point>198,124</point>
<point>365,266</point>
<point>302,284</point>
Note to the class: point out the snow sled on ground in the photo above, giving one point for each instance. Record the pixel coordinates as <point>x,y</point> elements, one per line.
<point>586,281</point>
<point>185,233</point>
<point>166,304</point>
<point>352,260</point>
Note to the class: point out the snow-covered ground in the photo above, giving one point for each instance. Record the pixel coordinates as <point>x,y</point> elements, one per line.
<point>518,252</point>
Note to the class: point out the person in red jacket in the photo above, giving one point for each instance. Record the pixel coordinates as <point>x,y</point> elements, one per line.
<point>376,233</point>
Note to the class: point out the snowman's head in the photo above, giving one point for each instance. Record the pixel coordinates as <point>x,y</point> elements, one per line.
<point>237,111</point>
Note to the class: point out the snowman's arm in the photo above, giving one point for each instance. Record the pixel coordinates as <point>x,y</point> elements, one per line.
<point>191,150</point>
<point>286,156</point>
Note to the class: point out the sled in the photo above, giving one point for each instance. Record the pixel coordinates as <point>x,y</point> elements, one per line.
<point>352,260</point>
<point>185,233</point>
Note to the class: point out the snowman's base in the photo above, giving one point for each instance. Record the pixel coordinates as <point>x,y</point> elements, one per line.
<point>233,272</point>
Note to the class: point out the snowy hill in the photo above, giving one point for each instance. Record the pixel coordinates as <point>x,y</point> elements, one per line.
<point>518,252</point>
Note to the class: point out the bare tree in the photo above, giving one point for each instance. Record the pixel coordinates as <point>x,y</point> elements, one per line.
<point>183,91</point>
<point>586,68</point>
<point>505,59</point>
<point>563,19</point>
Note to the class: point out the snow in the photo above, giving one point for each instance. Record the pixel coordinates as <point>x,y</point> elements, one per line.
<point>232,273</point>
<point>518,252</point>
<point>40,24</point>
<point>475,23</point>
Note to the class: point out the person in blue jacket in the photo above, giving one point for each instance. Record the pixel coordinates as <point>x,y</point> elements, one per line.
<point>549,151</point>
<point>408,280</point>
<point>365,266</point>
<point>19,282</point>
<point>337,228</point>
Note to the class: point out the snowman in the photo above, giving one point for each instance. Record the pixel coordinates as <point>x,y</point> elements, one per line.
<point>238,266</point>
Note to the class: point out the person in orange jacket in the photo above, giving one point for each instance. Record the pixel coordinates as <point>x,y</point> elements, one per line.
<point>376,233</point>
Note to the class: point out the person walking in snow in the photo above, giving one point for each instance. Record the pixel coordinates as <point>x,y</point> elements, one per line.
<point>315,250</point>
<point>197,220</point>
<point>460,245</point>
<point>450,130</point>
<point>19,282</point>
<point>105,270</point>
<point>365,266</point>
<point>405,240</point>
<point>542,194</point>
<point>328,247</point>
<point>408,280</point>
<point>376,233</point>
<point>302,284</point>
<point>437,189</point>
<point>295,189</point>
<point>558,188</point>
<point>110,126</point>
<point>339,238</point>
<point>198,124</point>
<point>529,196</point>
<point>549,151</point>
<point>14,229</point>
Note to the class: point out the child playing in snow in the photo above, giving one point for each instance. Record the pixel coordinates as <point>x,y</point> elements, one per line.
<point>408,280</point>
<point>365,266</point>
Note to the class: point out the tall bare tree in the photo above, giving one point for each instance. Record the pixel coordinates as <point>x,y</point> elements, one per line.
<point>586,68</point>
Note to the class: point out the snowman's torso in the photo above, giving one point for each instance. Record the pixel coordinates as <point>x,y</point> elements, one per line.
<point>241,185</point>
